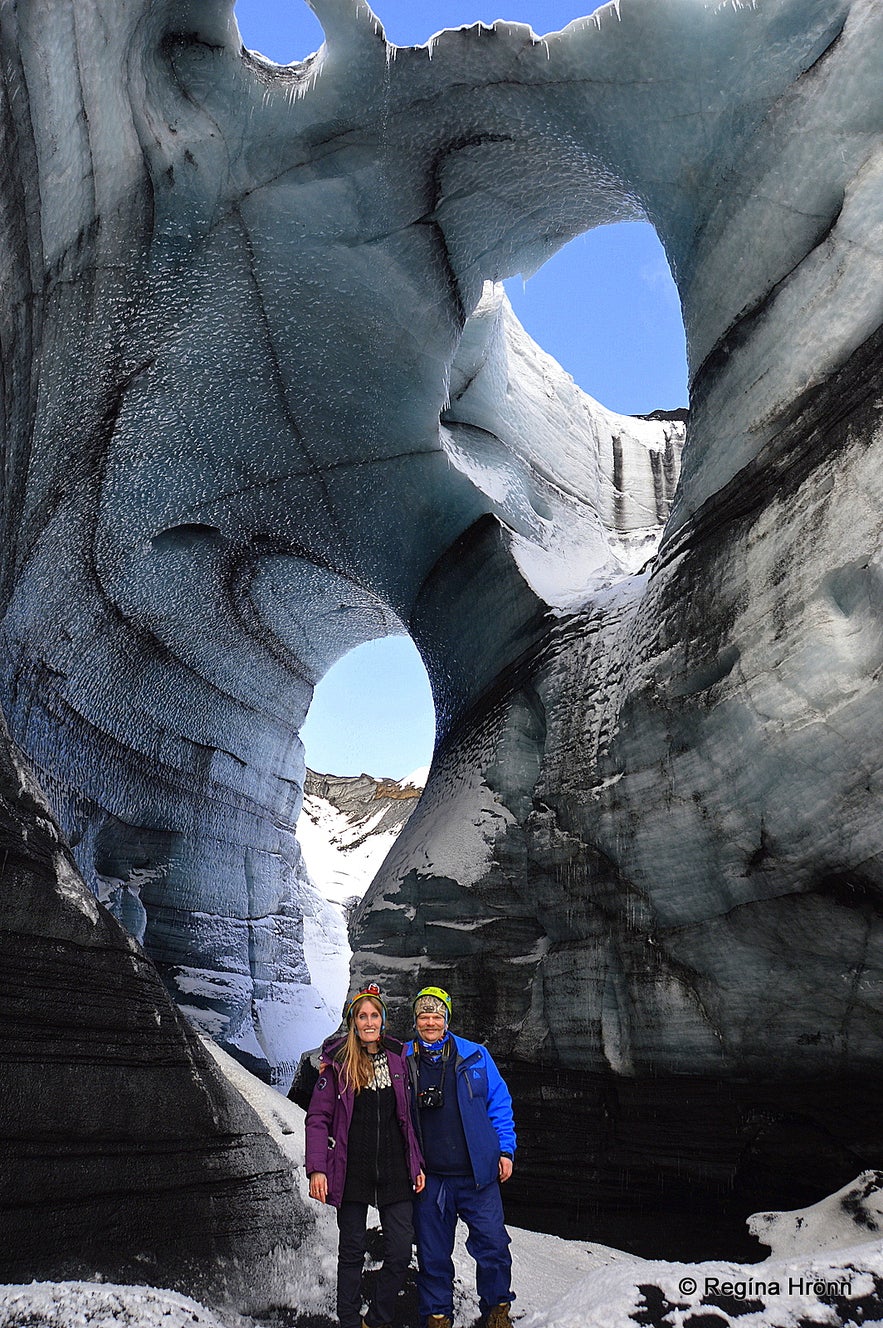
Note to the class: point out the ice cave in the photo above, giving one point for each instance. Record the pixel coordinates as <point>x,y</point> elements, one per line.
<point>264,399</point>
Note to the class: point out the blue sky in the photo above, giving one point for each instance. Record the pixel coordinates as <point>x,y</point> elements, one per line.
<point>605,306</point>
<point>287,30</point>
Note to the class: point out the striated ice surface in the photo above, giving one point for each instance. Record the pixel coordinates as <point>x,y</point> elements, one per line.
<point>212,566</point>
<point>264,399</point>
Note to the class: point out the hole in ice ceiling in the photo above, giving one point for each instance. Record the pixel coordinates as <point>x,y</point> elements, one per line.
<point>285,30</point>
<point>606,307</point>
<point>282,30</point>
<point>372,713</point>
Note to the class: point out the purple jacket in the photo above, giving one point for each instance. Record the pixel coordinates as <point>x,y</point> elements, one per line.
<point>331,1111</point>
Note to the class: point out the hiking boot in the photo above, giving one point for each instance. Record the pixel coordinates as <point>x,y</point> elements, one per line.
<point>498,1317</point>
<point>439,1321</point>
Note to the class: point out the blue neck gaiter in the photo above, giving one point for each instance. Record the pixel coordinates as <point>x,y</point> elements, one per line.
<point>433,1051</point>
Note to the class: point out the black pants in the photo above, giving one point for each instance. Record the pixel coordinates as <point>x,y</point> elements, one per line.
<point>398,1237</point>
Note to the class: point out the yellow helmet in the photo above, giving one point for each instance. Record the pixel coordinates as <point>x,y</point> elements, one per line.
<point>439,994</point>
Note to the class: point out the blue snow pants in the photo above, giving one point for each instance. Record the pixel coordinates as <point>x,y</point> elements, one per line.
<point>436,1210</point>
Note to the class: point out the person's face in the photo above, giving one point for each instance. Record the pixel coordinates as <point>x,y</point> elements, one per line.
<point>367,1022</point>
<point>431,1027</point>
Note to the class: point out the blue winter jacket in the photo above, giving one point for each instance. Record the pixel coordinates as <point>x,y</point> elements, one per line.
<point>485,1107</point>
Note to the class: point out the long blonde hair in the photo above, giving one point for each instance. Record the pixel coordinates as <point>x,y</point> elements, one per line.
<point>355,1065</point>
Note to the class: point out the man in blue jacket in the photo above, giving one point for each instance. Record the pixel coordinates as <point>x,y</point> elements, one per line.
<point>464,1121</point>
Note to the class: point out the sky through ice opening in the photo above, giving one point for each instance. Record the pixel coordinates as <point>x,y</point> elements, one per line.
<point>372,714</point>
<point>368,741</point>
<point>287,30</point>
<point>607,309</point>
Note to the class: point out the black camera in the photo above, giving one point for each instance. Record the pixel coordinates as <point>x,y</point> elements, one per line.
<point>433,1096</point>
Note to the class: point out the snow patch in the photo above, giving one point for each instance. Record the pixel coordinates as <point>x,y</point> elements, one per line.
<point>73,1304</point>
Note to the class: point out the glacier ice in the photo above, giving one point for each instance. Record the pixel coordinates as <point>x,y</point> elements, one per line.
<point>264,400</point>
<point>126,1152</point>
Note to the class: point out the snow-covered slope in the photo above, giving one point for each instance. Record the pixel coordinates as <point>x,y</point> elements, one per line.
<point>349,824</point>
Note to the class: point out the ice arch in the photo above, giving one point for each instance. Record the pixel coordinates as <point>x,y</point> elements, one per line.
<point>263,393</point>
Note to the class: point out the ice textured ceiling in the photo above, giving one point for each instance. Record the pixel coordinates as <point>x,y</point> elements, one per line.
<point>262,401</point>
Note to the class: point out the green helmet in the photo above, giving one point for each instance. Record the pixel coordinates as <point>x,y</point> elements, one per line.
<point>437,994</point>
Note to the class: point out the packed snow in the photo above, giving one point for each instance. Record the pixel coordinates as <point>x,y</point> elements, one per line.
<point>342,847</point>
<point>341,857</point>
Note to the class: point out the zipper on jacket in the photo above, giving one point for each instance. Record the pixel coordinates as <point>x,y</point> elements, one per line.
<point>461,1066</point>
<point>413,1086</point>
<point>377,1147</point>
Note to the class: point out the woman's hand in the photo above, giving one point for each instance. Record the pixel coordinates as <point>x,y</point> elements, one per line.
<point>419,1182</point>
<point>319,1186</point>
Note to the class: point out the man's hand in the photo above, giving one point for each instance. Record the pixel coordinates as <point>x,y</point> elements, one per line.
<point>419,1182</point>
<point>319,1186</point>
<point>505,1169</point>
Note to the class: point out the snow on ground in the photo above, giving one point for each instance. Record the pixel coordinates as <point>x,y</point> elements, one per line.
<point>76,1304</point>
<point>834,1280</point>
<point>559,1284</point>
<point>327,956</point>
<point>339,871</point>
<point>832,1224</point>
<point>620,1292</point>
<point>799,1293</point>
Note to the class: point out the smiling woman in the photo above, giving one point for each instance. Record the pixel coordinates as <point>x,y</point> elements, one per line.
<point>361,1149</point>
